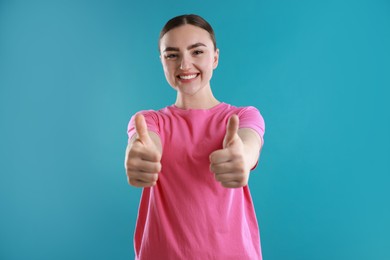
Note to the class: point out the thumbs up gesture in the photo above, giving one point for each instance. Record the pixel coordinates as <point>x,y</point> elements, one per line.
<point>229,164</point>
<point>143,156</point>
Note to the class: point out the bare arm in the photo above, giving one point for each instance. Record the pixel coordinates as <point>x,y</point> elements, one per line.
<point>252,145</point>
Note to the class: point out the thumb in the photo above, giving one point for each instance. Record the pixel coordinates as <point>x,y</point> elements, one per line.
<point>141,128</point>
<point>231,130</point>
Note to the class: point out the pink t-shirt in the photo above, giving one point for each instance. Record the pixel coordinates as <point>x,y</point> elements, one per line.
<point>188,214</point>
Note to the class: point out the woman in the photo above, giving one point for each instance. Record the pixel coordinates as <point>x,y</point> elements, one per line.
<point>193,158</point>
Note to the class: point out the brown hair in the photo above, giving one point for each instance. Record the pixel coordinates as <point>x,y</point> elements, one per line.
<point>192,19</point>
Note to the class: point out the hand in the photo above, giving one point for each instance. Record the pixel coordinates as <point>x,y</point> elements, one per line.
<point>143,158</point>
<point>229,164</point>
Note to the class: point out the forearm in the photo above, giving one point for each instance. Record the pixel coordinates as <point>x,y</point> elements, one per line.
<point>252,145</point>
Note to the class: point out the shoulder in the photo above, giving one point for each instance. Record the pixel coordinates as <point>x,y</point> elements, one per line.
<point>249,116</point>
<point>243,111</point>
<point>152,117</point>
<point>152,114</point>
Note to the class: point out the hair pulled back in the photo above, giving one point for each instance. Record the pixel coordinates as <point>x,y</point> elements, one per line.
<point>192,19</point>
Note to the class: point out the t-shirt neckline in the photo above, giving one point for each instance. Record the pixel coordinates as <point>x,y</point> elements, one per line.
<point>198,109</point>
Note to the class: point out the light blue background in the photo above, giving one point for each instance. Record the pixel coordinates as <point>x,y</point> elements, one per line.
<point>73,72</point>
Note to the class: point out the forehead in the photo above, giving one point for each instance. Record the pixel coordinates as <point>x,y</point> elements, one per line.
<point>186,35</point>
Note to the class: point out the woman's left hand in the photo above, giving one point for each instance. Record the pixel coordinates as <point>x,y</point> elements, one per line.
<point>231,164</point>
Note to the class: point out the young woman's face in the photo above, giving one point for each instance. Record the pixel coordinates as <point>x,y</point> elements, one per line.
<point>188,58</point>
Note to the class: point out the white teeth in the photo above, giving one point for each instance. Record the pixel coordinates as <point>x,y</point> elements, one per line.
<point>188,76</point>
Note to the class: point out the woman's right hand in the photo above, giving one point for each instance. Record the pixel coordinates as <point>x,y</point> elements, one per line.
<point>143,156</point>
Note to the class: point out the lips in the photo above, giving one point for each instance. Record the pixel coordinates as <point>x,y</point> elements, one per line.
<point>188,76</point>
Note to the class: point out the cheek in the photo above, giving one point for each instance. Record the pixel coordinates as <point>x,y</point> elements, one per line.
<point>207,62</point>
<point>167,70</point>
<point>207,66</point>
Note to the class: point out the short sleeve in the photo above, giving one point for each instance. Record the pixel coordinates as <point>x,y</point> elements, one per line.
<point>151,119</point>
<point>250,117</point>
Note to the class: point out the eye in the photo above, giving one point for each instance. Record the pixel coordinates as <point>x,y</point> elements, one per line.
<point>171,56</point>
<point>197,52</point>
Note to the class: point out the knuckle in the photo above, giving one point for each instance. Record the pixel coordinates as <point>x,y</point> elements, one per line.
<point>131,165</point>
<point>241,171</point>
<point>240,167</point>
<point>136,151</point>
<point>157,167</point>
<point>241,178</point>
<point>155,156</point>
<point>154,177</point>
<point>132,181</point>
<point>129,173</point>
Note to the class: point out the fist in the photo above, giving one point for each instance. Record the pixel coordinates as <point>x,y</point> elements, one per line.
<point>143,157</point>
<point>229,164</point>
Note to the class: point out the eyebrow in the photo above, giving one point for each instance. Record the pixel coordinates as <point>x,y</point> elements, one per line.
<point>192,46</point>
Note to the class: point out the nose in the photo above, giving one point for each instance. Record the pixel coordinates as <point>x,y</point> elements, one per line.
<point>185,63</point>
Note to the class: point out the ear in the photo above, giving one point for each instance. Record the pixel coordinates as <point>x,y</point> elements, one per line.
<point>216,59</point>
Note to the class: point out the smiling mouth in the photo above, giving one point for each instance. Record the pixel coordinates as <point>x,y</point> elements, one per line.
<point>188,77</point>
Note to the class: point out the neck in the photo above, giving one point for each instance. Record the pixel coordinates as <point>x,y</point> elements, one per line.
<point>196,101</point>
